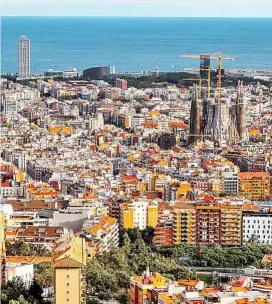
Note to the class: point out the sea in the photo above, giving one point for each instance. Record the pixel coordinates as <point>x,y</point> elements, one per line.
<point>135,44</point>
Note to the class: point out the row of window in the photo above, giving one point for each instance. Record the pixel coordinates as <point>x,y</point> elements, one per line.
<point>258,235</point>
<point>259,226</point>
<point>258,221</point>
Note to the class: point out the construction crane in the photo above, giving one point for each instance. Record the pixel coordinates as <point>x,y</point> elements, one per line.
<point>193,70</point>
<point>196,79</point>
<point>219,57</point>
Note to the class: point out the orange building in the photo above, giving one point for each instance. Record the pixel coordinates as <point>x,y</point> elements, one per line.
<point>208,225</point>
<point>163,236</point>
<point>254,185</point>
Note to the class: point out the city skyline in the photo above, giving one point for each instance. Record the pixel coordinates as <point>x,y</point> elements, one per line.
<point>135,8</point>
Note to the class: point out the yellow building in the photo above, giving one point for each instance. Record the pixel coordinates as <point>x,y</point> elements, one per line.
<point>69,255</point>
<point>217,186</point>
<point>183,189</point>
<point>141,187</point>
<point>166,298</point>
<point>61,130</point>
<point>152,215</point>
<point>231,225</point>
<point>184,224</point>
<point>254,185</point>
<point>127,216</point>
<point>139,214</point>
<point>19,175</point>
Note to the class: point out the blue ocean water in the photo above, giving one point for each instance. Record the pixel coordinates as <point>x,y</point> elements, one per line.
<point>133,44</point>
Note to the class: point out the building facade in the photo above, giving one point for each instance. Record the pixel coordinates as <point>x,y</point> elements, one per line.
<point>69,256</point>
<point>121,84</point>
<point>254,185</point>
<point>230,182</point>
<point>184,225</point>
<point>208,225</point>
<point>257,226</point>
<point>231,225</point>
<point>24,57</point>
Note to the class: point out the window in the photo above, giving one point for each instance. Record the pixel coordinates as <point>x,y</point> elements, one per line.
<point>67,284</point>
<point>67,277</point>
<point>67,292</point>
<point>67,300</point>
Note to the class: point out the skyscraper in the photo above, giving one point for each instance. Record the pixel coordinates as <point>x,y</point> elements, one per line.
<point>24,57</point>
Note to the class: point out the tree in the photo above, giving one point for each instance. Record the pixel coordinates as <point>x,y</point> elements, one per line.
<point>93,301</point>
<point>44,274</point>
<point>126,243</point>
<point>13,290</point>
<point>21,300</point>
<point>134,234</point>
<point>123,298</point>
<point>148,235</point>
<point>213,279</point>
<point>21,248</point>
<point>36,291</point>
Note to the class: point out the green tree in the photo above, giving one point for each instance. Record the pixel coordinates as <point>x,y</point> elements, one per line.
<point>12,290</point>
<point>21,248</point>
<point>126,243</point>
<point>35,291</point>
<point>148,235</point>
<point>44,274</point>
<point>21,300</point>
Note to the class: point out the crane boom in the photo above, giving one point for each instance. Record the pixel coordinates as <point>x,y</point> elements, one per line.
<point>219,57</point>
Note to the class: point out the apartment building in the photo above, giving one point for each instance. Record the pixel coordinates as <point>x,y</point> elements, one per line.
<point>184,225</point>
<point>139,214</point>
<point>254,185</point>
<point>104,231</point>
<point>231,225</point>
<point>36,235</point>
<point>230,182</point>
<point>121,83</point>
<point>257,226</point>
<point>69,257</point>
<point>208,224</point>
<point>163,236</point>
<point>23,271</point>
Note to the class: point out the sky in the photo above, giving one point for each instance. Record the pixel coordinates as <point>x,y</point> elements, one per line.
<point>138,8</point>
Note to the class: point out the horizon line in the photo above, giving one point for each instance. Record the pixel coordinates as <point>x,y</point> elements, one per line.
<point>169,17</point>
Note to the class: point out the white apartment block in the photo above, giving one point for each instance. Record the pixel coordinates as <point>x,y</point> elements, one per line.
<point>111,238</point>
<point>140,212</point>
<point>24,271</point>
<point>257,225</point>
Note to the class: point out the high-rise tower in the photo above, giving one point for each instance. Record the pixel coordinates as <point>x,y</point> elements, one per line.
<point>24,57</point>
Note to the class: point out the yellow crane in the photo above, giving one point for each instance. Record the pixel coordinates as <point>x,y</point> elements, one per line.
<point>199,81</point>
<point>219,57</point>
<point>193,70</point>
